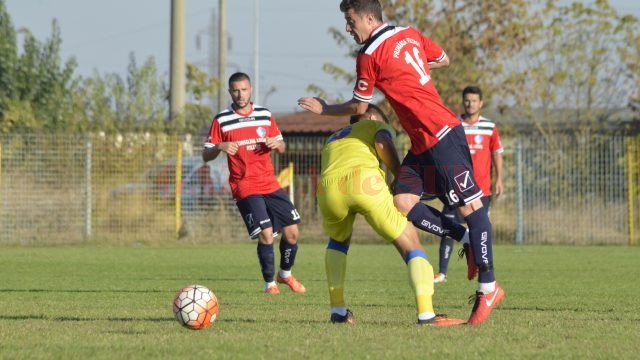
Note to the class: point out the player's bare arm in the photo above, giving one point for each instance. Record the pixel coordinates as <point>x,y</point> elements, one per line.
<point>276,144</point>
<point>444,62</point>
<point>387,152</point>
<point>497,167</point>
<point>319,106</point>
<point>211,151</point>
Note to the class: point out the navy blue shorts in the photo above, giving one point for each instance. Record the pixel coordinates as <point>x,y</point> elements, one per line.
<point>444,171</point>
<point>452,211</point>
<point>273,210</point>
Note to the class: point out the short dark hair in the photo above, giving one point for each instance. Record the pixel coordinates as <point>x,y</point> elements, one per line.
<point>472,90</point>
<point>372,108</point>
<point>239,76</point>
<point>362,7</point>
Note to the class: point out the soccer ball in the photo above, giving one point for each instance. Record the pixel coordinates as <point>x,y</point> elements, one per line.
<point>195,307</point>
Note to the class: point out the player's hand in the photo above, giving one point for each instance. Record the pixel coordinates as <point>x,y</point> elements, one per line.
<point>230,148</point>
<point>499,188</point>
<point>314,104</point>
<point>272,143</point>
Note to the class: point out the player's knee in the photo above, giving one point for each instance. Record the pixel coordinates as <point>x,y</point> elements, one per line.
<point>405,202</point>
<point>266,236</point>
<point>470,208</point>
<point>290,234</point>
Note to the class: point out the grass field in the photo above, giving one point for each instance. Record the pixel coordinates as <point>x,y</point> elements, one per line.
<point>115,303</point>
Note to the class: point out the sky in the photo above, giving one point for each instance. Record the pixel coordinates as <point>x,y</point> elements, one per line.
<point>293,41</point>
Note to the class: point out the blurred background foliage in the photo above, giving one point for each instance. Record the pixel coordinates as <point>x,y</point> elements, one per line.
<point>536,60</point>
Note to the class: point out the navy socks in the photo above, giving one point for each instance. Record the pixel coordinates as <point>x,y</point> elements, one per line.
<point>481,238</point>
<point>446,248</point>
<point>287,254</point>
<point>266,257</point>
<point>426,218</point>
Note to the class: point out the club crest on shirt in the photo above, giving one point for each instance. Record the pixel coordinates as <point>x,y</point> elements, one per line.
<point>261,131</point>
<point>464,181</point>
<point>478,139</point>
<point>249,219</point>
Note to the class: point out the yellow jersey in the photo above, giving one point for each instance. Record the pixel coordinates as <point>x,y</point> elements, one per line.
<point>351,148</point>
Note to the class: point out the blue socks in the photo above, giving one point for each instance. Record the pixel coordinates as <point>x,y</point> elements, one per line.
<point>266,257</point>
<point>446,248</point>
<point>287,254</point>
<point>428,219</point>
<point>481,237</point>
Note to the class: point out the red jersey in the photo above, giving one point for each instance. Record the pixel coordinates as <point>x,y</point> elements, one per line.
<point>396,61</point>
<point>251,171</point>
<point>484,141</point>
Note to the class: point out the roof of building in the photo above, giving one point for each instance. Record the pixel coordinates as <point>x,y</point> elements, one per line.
<point>307,122</point>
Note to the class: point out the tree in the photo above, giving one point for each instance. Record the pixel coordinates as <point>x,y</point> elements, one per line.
<point>528,55</point>
<point>38,92</point>
<point>8,58</point>
<point>474,34</point>
<point>582,66</point>
<point>137,103</point>
<point>35,86</point>
<point>146,97</point>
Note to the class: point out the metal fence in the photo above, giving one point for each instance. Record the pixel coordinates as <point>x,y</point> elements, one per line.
<point>57,189</point>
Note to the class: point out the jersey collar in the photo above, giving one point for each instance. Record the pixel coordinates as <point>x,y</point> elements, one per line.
<point>375,34</point>
<point>243,114</point>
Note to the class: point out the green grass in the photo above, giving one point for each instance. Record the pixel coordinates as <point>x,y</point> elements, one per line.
<point>115,302</point>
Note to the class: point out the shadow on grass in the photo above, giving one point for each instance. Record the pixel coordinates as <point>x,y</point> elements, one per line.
<point>84,291</point>
<point>79,318</point>
<point>111,318</point>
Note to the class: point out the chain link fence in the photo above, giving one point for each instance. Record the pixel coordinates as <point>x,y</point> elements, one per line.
<point>63,189</point>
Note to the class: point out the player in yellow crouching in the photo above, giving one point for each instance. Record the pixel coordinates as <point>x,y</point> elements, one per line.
<point>352,182</point>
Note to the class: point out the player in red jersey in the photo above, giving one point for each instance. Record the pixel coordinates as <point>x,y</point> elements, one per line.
<point>483,138</point>
<point>248,133</point>
<point>398,61</point>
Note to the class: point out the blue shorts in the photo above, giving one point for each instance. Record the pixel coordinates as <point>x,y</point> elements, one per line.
<point>273,210</point>
<point>444,171</point>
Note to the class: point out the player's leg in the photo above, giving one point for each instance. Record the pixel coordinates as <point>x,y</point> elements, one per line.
<point>256,218</point>
<point>335,261</point>
<point>419,270</point>
<point>421,278</point>
<point>380,212</point>
<point>489,293</point>
<point>467,249</point>
<point>415,178</point>
<point>457,176</point>
<point>446,247</point>
<point>337,222</point>
<point>285,218</point>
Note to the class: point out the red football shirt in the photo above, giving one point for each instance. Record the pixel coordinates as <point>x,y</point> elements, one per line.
<point>396,61</point>
<point>484,140</point>
<point>251,171</point>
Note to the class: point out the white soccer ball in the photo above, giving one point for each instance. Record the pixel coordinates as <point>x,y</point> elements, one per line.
<point>195,307</point>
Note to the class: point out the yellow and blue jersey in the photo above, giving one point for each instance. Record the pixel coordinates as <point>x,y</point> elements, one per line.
<point>353,183</point>
<point>352,147</point>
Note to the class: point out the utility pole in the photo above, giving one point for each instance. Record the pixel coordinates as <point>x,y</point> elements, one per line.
<point>177,61</point>
<point>222,34</point>
<point>256,49</point>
